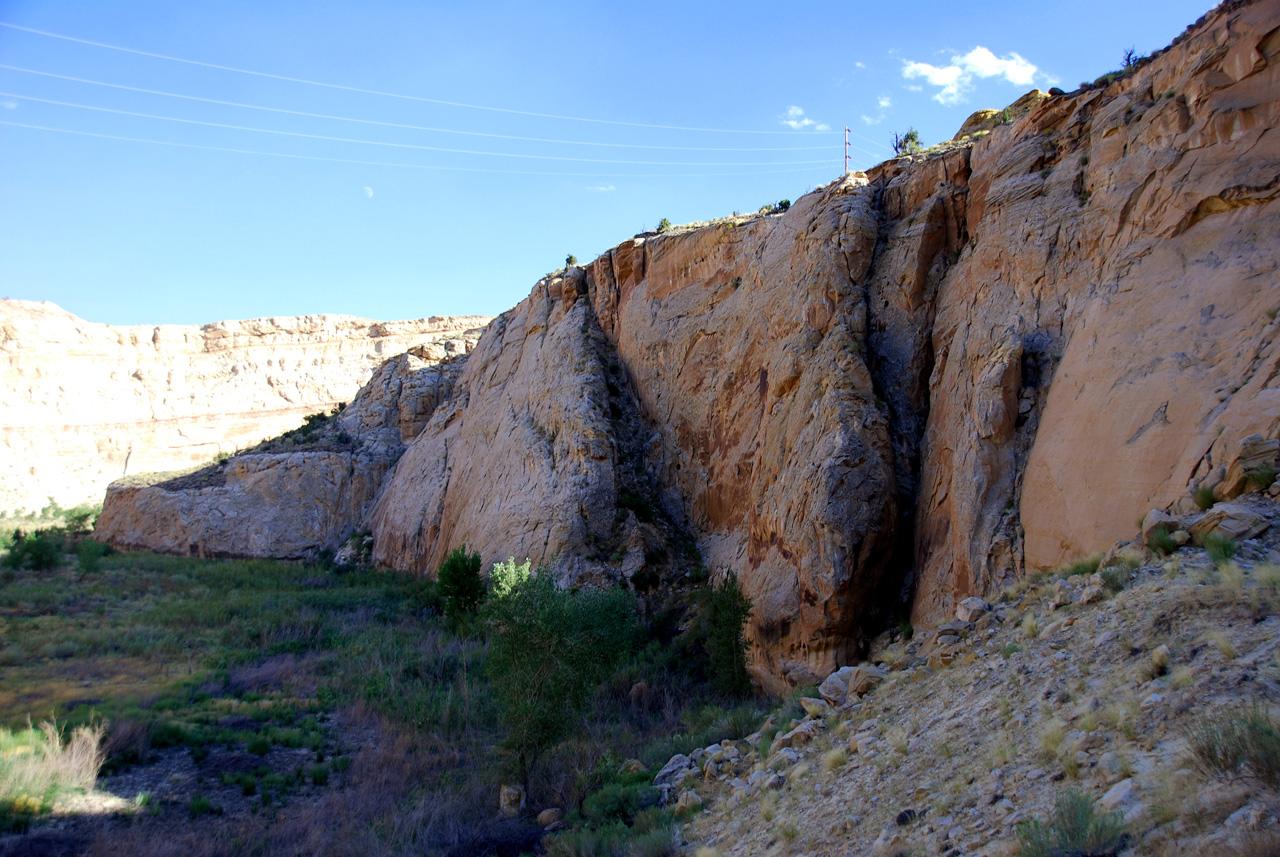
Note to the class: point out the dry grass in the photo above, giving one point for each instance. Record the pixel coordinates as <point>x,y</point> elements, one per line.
<point>1222,644</point>
<point>36,762</point>
<point>385,811</point>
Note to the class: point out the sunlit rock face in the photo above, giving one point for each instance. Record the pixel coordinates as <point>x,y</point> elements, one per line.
<point>916,385</point>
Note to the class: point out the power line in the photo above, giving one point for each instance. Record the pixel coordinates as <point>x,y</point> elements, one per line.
<point>292,155</point>
<point>401,145</point>
<point>407,127</point>
<point>388,94</point>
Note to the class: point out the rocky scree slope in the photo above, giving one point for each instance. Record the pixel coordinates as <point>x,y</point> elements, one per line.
<point>922,382</point>
<point>943,744</point>
<point>86,403</point>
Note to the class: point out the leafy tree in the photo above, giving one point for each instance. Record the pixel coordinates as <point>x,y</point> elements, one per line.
<point>461,586</point>
<point>570,260</point>
<point>664,225</point>
<point>548,651</point>
<point>908,143</point>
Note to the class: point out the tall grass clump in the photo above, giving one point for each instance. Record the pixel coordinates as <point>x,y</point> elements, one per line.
<point>1238,742</point>
<point>1221,549</point>
<point>1076,827</point>
<point>36,765</point>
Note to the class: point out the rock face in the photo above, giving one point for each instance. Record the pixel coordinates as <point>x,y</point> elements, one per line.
<point>742,345</point>
<point>290,498</point>
<point>919,382</point>
<point>87,403</point>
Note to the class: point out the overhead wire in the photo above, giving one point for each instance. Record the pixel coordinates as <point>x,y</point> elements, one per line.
<point>413,127</point>
<point>609,174</point>
<point>416,146</point>
<point>381,93</point>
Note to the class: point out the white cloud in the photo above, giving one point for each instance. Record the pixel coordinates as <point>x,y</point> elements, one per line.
<point>884,102</point>
<point>797,120</point>
<point>954,81</point>
<point>872,121</point>
<point>9,105</point>
<point>602,188</point>
<point>859,65</point>
<point>368,191</point>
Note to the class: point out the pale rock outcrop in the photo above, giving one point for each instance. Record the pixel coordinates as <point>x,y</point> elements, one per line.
<point>86,403</point>
<point>287,498</point>
<point>742,343</point>
<point>522,462</point>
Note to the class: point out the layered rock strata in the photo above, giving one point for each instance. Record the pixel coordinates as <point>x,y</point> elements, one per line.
<point>919,382</point>
<point>87,403</point>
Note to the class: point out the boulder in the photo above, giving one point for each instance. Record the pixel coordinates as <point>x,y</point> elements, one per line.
<point>1254,456</point>
<point>511,800</point>
<point>1156,523</point>
<point>835,688</point>
<point>1228,520</point>
<point>550,816</point>
<point>969,609</point>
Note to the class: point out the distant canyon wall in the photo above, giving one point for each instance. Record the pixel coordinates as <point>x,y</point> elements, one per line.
<point>86,403</point>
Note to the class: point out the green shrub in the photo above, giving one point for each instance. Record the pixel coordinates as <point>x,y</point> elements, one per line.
<point>201,805</point>
<point>1203,496</point>
<point>1262,477</point>
<point>548,650</point>
<point>728,611</point>
<point>1221,549</point>
<point>570,260</point>
<point>908,143</point>
<point>619,801</point>
<point>664,224</point>
<point>461,586</point>
<point>1115,578</point>
<point>1161,542</point>
<point>259,745</point>
<point>1076,827</point>
<point>89,556</point>
<point>1086,566</point>
<point>1242,741</point>
<point>506,576</point>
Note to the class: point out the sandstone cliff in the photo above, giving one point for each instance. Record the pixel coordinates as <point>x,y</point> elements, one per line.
<point>87,403</point>
<point>922,381</point>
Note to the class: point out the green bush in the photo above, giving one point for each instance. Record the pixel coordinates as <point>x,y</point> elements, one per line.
<point>39,551</point>
<point>664,225</point>
<point>728,611</point>
<point>548,651</point>
<point>506,576</point>
<point>1075,828</point>
<point>1161,542</point>
<point>89,555</point>
<point>1238,741</point>
<point>461,586</point>
<point>1115,578</point>
<point>1203,496</point>
<point>908,143</point>
<point>1221,549</point>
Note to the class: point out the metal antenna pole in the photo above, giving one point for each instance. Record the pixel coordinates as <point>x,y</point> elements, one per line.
<point>846,150</point>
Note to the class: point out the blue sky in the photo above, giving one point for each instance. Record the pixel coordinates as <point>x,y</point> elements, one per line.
<point>237,211</point>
